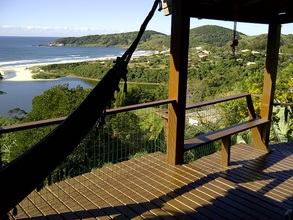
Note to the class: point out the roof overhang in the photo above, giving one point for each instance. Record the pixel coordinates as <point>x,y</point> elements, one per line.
<point>250,11</point>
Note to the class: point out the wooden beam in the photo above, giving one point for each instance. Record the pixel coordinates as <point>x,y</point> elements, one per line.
<point>270,76</point>
<point>253,11</point>
<point>177,80</point>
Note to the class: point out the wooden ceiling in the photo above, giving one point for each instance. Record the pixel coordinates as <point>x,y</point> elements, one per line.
<point>251,11</point>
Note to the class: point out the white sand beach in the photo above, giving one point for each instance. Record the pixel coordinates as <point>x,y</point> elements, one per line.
<point>16,74</point>
<point>23,73</point>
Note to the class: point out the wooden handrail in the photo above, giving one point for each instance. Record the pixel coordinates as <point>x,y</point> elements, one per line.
<point>53,121</point>
<point>283,104</point>
<point>218,100</point>
<point>164,113</point>
<point>138,106</point>
<point>30,125</point>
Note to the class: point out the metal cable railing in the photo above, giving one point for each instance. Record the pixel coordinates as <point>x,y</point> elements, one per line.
<point>128,132</point>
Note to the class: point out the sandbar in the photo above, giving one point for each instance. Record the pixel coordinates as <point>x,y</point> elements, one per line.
<point>16,74</point>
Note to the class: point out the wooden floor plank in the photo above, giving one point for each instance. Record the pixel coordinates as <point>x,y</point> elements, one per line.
<point>145,193</point>
<point>256,185</point>
<point>215,166</point>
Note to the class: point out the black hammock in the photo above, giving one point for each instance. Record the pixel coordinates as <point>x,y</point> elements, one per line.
<point>20,177</point>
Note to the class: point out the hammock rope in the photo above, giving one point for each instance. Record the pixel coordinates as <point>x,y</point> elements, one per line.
<point>23,175</point>
<point>235,41</point>
<point>128,54</point>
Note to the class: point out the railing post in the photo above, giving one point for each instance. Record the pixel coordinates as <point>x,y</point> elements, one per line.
<point>251,110</point>
<point>178,80</point>
<point>270,76</point>
<point>226,150</point>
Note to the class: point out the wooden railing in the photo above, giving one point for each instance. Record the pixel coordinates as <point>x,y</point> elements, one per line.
<point>190,143</point>
<point>54,121</point>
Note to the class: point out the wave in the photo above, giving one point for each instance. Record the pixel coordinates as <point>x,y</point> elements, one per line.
<point>142,52</point>
<point>65,59</point>
<point>56,60</point>
<point>16,62</point>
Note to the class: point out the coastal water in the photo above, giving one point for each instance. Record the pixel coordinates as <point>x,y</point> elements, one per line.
<point>28,51</point>
<point>20,94</point>
<point>21,51</point>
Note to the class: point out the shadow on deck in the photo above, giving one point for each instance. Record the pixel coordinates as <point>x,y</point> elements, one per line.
<point>255,186</point>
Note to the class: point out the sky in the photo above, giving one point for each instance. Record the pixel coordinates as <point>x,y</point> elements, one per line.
<point>64,18</point>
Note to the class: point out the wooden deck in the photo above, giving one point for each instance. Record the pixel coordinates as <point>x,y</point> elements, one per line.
<point>255,186</point>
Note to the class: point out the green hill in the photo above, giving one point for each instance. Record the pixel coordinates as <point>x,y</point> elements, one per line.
<point>212,35</point>
<point>208,35</point>
<point>152,40</point>
<point>149,40</point>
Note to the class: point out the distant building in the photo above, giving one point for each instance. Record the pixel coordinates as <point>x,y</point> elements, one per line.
<point>193,122</point>
<point>211,115</point>
<point>203,55</point>
<point>245,51</point>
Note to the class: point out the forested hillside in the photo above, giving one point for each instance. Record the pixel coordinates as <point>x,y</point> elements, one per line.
<point>149,40</point>
<point>204,35</point>
<point>210,36</point>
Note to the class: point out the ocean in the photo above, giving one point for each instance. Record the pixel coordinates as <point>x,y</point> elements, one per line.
<point>23,51</point>
<point>29,51</point>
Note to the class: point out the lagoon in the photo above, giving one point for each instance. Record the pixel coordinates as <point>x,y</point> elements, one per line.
<point>19,94</point>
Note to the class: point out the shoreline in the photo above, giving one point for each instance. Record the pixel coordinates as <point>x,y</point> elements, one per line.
<point>23,72</point>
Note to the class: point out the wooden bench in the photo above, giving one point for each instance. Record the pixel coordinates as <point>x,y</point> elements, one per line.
<point>224,134</point>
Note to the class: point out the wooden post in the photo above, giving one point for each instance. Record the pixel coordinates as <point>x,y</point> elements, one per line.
<point>226,150</point>
<point>270,76</point>
<point>177,80</point>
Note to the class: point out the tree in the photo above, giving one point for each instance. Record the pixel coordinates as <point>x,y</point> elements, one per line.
<point>56,102</point>
<point>7,141</point>
<point>134,95</point>
<point>284,85</point>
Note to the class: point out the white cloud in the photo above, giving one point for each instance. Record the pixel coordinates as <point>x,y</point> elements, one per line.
<point>10,30</point>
